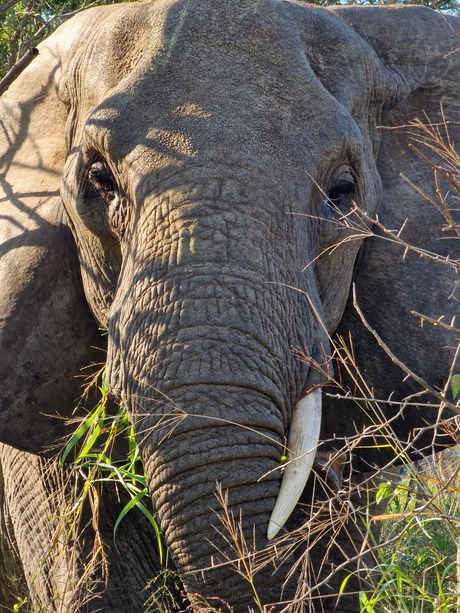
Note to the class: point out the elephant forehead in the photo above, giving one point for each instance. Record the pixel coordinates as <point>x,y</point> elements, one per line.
<point>238,126</point>
<point>268,32</point>
<point>161,33</point>
<point>243,65</point>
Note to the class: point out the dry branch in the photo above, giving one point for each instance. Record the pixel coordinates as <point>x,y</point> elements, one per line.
<point>8,5</point>
<point>16,70</point>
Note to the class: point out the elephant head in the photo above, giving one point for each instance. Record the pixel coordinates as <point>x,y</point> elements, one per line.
<point>201,176</point>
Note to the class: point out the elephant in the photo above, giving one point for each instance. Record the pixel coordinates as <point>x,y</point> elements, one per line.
<point>210,182</point>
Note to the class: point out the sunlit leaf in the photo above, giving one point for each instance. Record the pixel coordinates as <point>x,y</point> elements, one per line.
<point>455,386</point>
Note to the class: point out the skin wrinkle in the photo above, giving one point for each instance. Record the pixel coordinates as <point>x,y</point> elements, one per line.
<point>226,365</point>
<point>252,179</point>
<point>260,379</point>
<point>172,308</point>
<point>171,221</point>
<point>201,485</point>
<point>202,522</point>
<point>56,569</point>
<point>168,224</point>
<point>217,452</point>
<point>212,404</point>
<point>244,423</point>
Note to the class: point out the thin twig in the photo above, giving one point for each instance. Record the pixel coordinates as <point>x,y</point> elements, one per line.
<point>436,322</point>
<point>398,362</point>
<point>423,253</point>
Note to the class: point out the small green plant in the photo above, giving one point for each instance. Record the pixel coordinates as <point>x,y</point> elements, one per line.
<point>89,451</point>
<point>21,602</point>
<point>167,595</point>
<point>419,539</point>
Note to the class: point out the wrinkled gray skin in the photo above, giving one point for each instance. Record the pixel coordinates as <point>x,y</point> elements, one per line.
<point>177,157</point>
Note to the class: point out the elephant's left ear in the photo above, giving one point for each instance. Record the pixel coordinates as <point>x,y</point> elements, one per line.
<point>418,128</point>
<point>46,330</point>
<point>419,50</point>
<point>416,51</point>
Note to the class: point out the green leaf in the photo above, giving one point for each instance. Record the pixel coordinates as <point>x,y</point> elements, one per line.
<point>344,584</point>
<point>384,491</point>
<point>366,604</point>
<point>455,385</point>
<point>136,502</point>
<point>85,452</point>
<point>78,435</point>
<point>19,604</point>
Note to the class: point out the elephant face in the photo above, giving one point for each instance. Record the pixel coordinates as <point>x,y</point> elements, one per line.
<point>219,175</point>
<point>220,169</point>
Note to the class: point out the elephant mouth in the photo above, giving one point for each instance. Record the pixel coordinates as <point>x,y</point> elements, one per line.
<point>302,443</point>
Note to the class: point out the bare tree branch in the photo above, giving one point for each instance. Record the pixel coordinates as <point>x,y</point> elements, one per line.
<point>14,73</point>
<point>8,5</point>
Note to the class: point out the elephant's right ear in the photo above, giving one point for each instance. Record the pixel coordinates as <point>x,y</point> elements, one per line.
<point>47,334</point>
<point>396,289</point>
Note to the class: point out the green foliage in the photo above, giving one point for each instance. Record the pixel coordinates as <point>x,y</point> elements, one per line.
<point>91,448</point>
<point>167,588</point>
<point>21,602</point>
<point>418,539</point>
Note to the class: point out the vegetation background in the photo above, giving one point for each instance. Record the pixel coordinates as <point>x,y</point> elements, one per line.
<point>24,23</point>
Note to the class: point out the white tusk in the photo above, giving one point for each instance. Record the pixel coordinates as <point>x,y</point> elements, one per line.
<point>302,442</point>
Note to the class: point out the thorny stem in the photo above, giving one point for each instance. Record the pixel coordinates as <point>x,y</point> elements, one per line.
<point>439,396</point>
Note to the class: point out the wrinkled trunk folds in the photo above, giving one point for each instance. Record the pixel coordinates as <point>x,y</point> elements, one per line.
<point>211,424</point>
<point>215,470</point>
<point>213,451</point>
<point>202,345</point>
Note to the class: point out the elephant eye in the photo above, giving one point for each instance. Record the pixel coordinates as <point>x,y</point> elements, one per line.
<point>341,194</point>
<point>103,203</point>
<point>102,183</point>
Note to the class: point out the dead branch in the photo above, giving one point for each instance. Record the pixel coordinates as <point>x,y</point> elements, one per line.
<point>436,322</point>
<point>16,70</point>
<point>8,5</point>
<point>396,238</point>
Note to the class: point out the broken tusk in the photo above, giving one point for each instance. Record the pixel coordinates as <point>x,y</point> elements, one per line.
<point>302,442</point>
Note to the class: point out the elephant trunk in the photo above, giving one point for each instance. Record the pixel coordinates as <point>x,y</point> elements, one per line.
<point>212,452</point>
<point>202,340</point>
<point>214,467</point>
